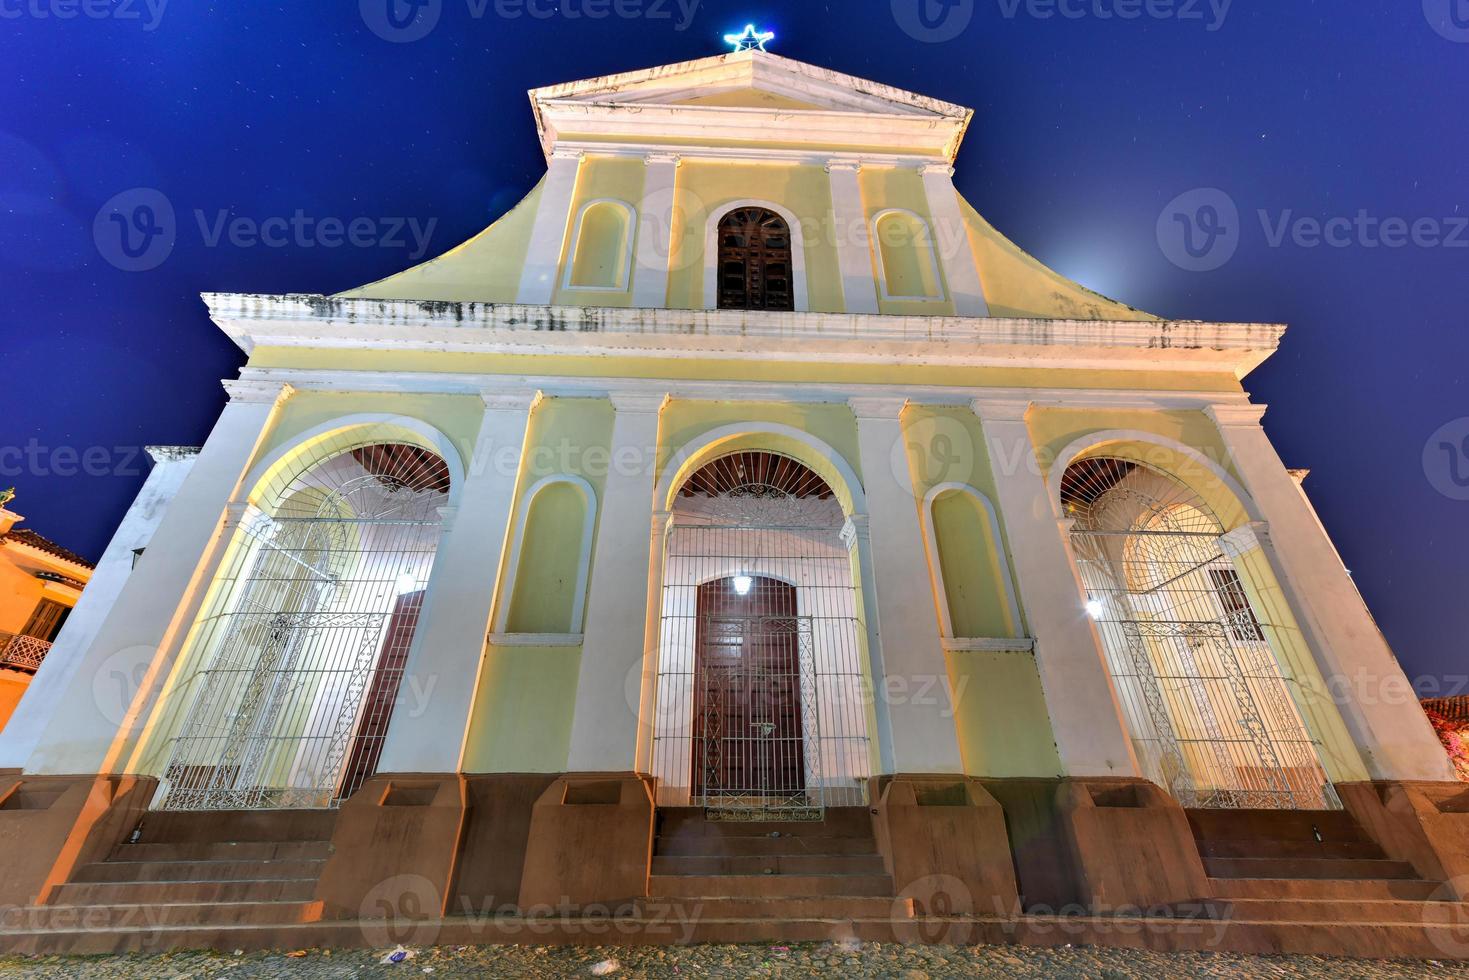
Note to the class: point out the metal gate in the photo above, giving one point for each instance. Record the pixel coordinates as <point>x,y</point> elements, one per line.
<point>317,607</point>
<point>762,699</point>
<point>1205,697</point>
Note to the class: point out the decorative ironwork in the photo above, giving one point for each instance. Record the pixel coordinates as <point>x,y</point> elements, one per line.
<point>1206,699</point>
<point>301,627</point>
<point>21,652</point>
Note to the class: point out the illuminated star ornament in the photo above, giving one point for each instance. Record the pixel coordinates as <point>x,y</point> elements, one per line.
<point>751,40</point>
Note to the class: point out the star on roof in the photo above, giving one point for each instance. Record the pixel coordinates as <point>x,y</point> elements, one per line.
<point>751,40</point>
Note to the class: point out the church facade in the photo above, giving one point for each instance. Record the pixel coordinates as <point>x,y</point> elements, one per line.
<point>740,521</point>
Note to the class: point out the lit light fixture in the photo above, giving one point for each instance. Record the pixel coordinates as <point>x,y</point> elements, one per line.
<point>1094,608</point>
<point>742,584</point>
<point>407,582</point>
<point>751,40</point>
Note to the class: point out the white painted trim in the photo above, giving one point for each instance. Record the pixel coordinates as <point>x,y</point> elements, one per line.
<point>535,639</point>
<point>1089,444</point>
<point>989,645</point>
<point>547,245</point>
<point>961,269</point>
<point>704,447</point>
<point>711,252</point>
<point>930,535</point>
<point>933,257</point>
<point>854,252</point>
<point>584,563</point>
<point>813,157</point>
<point>440,442</point>
<point>630,226</point>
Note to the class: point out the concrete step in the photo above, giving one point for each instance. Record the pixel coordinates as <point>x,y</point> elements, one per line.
<point>681,822</point>
<point>160,871</point>
<point>768,886</point>
<point>1306,868</point>
<point>1276,825</point>
<point>184,892</point>
<point>153,916</point>
<point>778,864</point>
<point>224,851</point>
<point>1341,911</point>
<point>1326,889</point>
<point>227,826</point>
<point>1254,848</point>
<point>784,909</point>
<point>705,846</point>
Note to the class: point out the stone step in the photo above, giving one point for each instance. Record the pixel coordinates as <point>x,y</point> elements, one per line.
<point>786,908</point>
<point>1326,889</point>
<point>1306,868</point>
<point>159,871</point>
<point>707,846</point>
<point>1276,825</point>
<point>184,892</point>
<point>224,851</point>
<point>775,864</point>
<point>227,826</point>
<point>144,918</point>
<point>1349,849</point>
<point>768,886</point>
<point>838,822</point>
<point>1341,911</point>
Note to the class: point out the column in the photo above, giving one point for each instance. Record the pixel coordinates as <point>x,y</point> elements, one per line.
<point>655,231</point>
<point>1086,719</point>
<point>925,736</point>
<point>1373,695</point>
<point>854,243</point>
<point>548,235</point>
<point>441,678</point>
<point>93,727</point>
<point>605,729</point>
<point>951,240</point>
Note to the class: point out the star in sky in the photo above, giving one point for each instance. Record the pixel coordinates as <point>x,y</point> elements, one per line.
<point>751,40</point>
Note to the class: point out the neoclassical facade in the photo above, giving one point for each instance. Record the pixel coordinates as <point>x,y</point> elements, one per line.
<point>740,518</point>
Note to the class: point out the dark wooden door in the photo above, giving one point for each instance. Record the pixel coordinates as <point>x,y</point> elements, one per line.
<point>747,691</point>
<point>755,261</point>
<point>377,709</point>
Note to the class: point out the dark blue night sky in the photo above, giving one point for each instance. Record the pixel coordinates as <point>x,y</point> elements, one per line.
<point>1087,127</point>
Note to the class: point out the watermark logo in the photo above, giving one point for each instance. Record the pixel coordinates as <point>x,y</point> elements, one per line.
<point>1211,13</point>
<point>1199,230</point>
<point>401,21</point>
<point>1446,459</point>
<point>118,680</point>
<point>1450,18</point>
<point>935,909</point>
<point>933,450</point>
<point>933,21</point>
<point>404,910</point>
<point>1446,914</point>
<point>136,230</point>
<point>148,13</point>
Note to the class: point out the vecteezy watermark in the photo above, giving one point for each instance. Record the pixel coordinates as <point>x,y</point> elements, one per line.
<point>137,230</point>
<point>937,21</point>
<point>1450,18</point>
<point>1446,459</point>
<point>405,21</point>
<point>37,460</point>
<point>933,21</point>
<point>1202,229</point>
<point>147,13</point>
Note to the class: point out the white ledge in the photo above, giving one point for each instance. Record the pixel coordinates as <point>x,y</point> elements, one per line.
<point>306,320</point>
<point>968,644</point>
<point>534,639</point>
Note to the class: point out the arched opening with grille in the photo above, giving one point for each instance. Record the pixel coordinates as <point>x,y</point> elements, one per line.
<point>295,663</point>
<point>755,261</point>
<point>1209,706</point>
<point>761,711</point>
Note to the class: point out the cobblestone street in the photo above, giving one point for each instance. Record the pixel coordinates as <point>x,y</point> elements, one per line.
<point>870,960</point>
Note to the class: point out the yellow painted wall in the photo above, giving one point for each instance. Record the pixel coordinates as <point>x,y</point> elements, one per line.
<point>1004,726</point>
<point>602,178</point>
<point>523,710</point>
<point>975,572</point>
<point>20,593</point>
<point>13,685</point>
<point>884,188</point>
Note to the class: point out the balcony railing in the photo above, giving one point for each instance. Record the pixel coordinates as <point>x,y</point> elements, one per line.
<point>20,652</point>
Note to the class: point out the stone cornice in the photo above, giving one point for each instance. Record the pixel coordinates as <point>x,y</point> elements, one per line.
<point>337,322</point>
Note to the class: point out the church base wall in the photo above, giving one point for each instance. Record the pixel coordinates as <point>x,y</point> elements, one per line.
<point>1424,824</point>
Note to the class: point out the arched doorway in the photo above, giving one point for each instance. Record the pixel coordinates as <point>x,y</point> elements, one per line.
<point>296,663</point>
<point>1206,700</point>
<point>760,706</point>
<point>755,262</point>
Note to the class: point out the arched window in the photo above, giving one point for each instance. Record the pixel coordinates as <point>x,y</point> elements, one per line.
<point>755,271</point>
<point>907,262</point>
<point>551,559</point>
<point>601,257</point>
<point>296,663</point>
<point>976,595</point>
<point>1205,697</point>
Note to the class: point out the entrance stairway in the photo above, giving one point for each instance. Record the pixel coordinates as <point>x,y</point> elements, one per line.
<point>199,870</point>
<point>808,876</point>
<point>1313,866</point>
